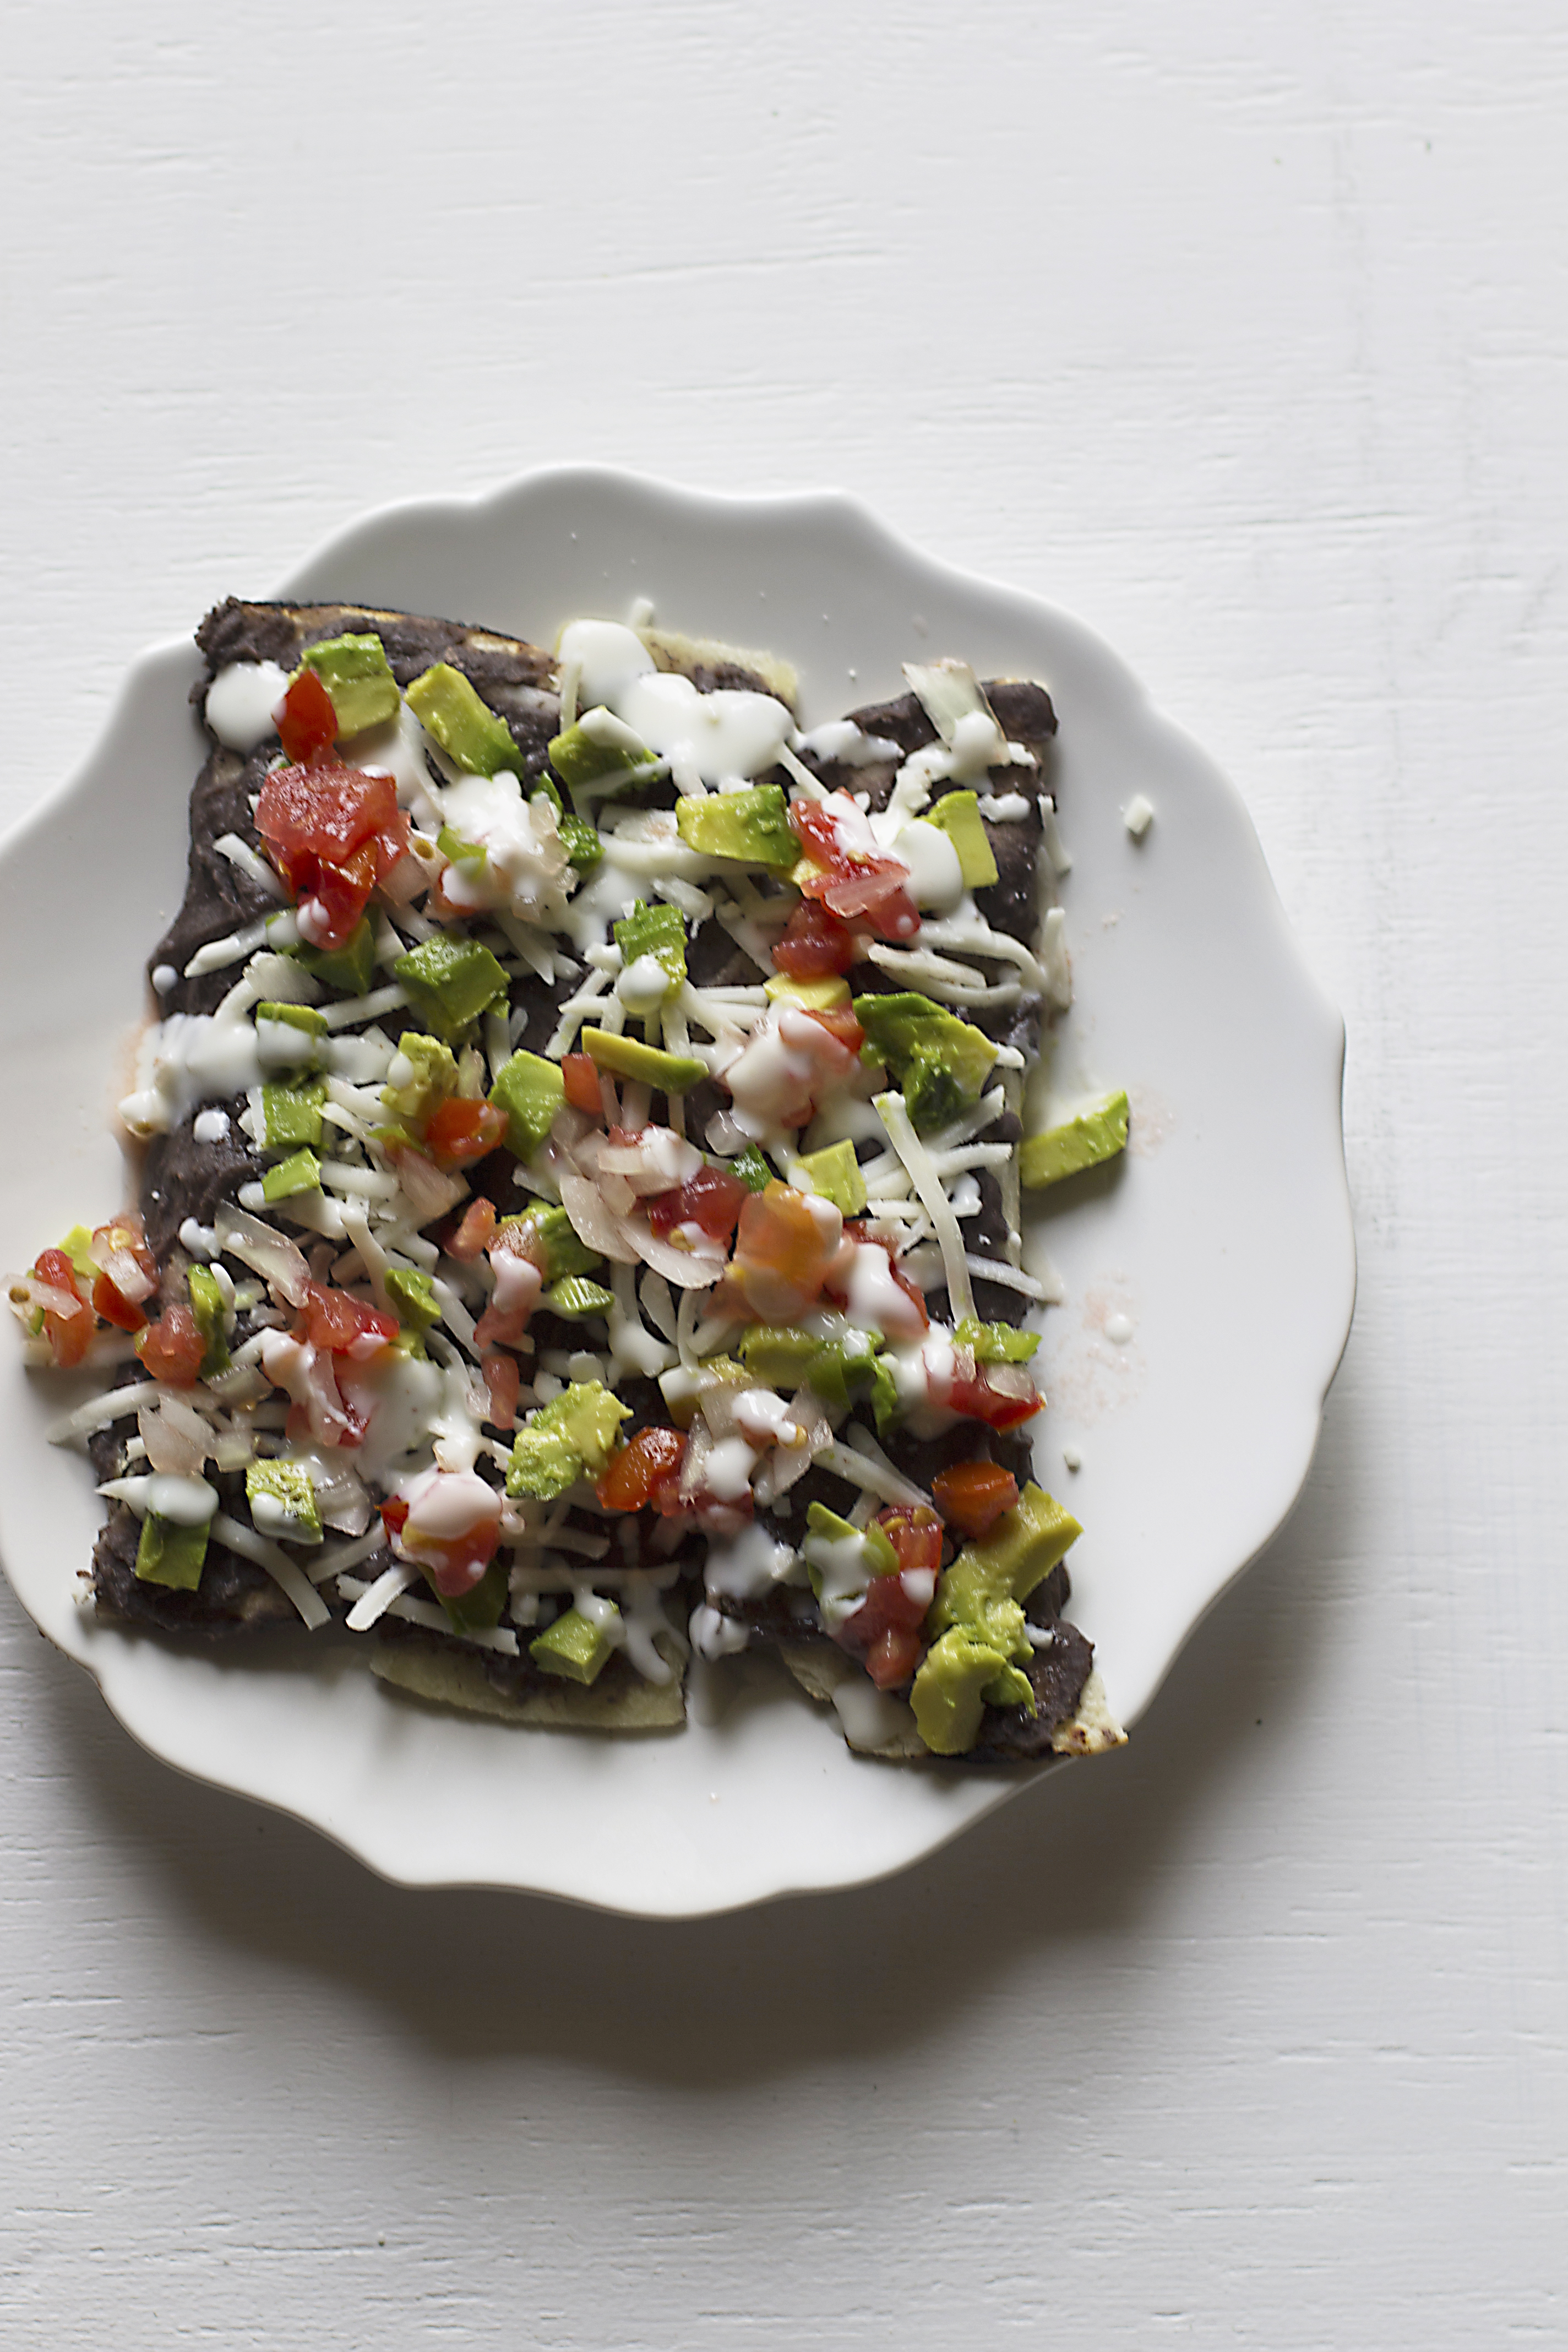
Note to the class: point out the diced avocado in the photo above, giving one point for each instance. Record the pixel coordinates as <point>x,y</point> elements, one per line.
<point>412,1294</point>
<point>812,995</point>
<point>949,1691</point>
<point>572,1437</point>
<point>751,826</point>
<point>940,1062</point>
<point>354,672</point>
<point>782,1358</point>
<point>292,1115</point>
<point>351,967</point>
<point>996,1343</point>
<point>433,1078</point>
<point>301,1172</point>
<point>752,1169</point>
<point>823,1526</point>
<point>450,981</point>
<point>599,745</point>
<point>468,731</point>
<point>574,1646</point>
<point>78,1248</point>
<point>170,1554</point>
<point>531,1091</point>
<point>658,931</point>
<point>1096,1134</point>
<point>479,1610</point>
<point>839,1372</point>
<point>667,1074</point>
<point>289,1036</point>
<point>575,1297</point>
<point>283,1502</point>
<point>1000,1570</point>
<point>958,815</point>
<point>564,1253</point>
<point>584,846</point>
<point>835,1174</point>
<point>303,1017</point>
<point>1010,1687</point>
<point>460,852</point>
<point>207,1307</point>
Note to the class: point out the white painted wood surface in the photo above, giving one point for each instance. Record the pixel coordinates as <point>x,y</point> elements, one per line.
<point>1242,334</point>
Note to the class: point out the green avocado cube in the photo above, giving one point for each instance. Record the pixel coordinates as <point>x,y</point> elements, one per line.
<point>469,732</point>
<point>1096,1134</point>
<point>303,1017</point>
<point>354,672</point>
<point>432,1077</point>
<point>574,1296</point>
<point>839,1372</point>
<point>996,1343</point>
<point>169,1554</point>
<point>78,1248</point>
<point>564,1253</point>
<point>941,1063</point>
<point>835,1174</point>
<point>820,995</point>
<point>958,815</point>
<point>531,1091</point>
<point>207,1307</point>
<point>781,1357</point>
<point>949,1692</point>
<point>450,981</point>
<point>584,846</point>
<point>658,931</point>
<point>599,745</point>
<point>292,1115</point>
<point>570,1438</point>
<point>283,1501</point>
<point>350,968</point>
<point>412,1294</point>
<point>301,1172</point>
<point>1001,1569</point>
<point>667,1074</point>
<point>573,1646</point>
<point>752,1167</point>
<point>479,1610</point>
<point>752,826</point>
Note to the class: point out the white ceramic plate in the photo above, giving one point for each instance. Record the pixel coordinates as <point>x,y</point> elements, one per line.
<point>1209,1279</point>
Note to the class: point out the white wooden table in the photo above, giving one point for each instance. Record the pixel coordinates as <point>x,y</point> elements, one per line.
<point>1243,336</point>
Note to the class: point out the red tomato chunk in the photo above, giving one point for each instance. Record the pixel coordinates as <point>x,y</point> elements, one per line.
<point>645,1471</point>
<point>712,1199</point>
<point>815,945</point>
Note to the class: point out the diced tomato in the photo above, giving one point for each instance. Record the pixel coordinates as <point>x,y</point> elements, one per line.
<point>816,943</point>
<point>172,1347</point>
<point>394,1514</point>
<point>712,1199</point>
<point>69,1328</point>
<point>645,1471</point>
<point>342,1325</point>
<point>476,1225</point>
<point>887,1628</point>
<point>581,1074</point>
<point>334,831</point>
<point>114,1308</point>
<point>869,885</point>
<point>972,1495</point>
<point>309,726</point>
<point>464,1558</point>
<point>1001,1396</point>
<point>503,1378</point>
<point>458,1132</point>
<point>786,1242</point>
<point>915,1533</point>
<point>839,1023</point>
